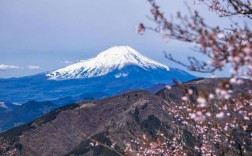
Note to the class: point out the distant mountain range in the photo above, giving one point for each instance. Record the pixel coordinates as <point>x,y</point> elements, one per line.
<point>15,115</point>
<point>117,69</point>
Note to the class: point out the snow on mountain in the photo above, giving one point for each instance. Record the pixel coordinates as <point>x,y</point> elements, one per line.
<point>121,75</point>
<point>106,62</point>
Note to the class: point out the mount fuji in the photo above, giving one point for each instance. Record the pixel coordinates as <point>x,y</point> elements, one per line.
<point>114,59</point>
<point>113,71</point>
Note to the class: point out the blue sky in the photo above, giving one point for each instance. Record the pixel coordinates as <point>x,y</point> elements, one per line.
<point>42,35</point>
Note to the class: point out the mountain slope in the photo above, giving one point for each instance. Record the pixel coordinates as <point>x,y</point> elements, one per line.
<point>107,61</point>
<point>70,131</point>
<point>112,123</point>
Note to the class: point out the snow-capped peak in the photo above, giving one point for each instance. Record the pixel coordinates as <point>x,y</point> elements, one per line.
<point>107,61</point>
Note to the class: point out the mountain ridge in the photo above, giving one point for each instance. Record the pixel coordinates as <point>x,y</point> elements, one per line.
<point>73,129</point>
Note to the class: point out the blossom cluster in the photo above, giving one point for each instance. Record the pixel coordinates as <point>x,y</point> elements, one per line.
<point>214,115</point>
